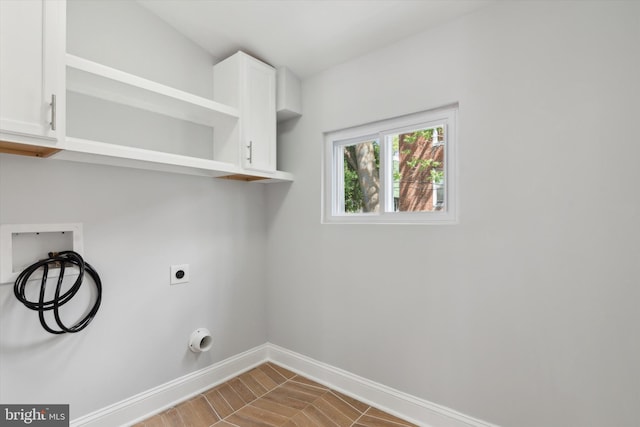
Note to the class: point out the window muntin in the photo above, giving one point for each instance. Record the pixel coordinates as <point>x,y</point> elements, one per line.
<point>399,170</point>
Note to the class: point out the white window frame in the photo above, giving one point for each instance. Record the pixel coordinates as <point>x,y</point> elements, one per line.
<point>333,169</point>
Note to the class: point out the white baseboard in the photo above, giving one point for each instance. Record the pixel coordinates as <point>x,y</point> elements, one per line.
<point>157,399</point>
<point>403,405</point>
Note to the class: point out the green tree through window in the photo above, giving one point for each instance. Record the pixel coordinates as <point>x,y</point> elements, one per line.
<point>362,177</point>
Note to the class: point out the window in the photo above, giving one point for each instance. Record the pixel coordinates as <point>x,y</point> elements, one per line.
<point>400,170</point>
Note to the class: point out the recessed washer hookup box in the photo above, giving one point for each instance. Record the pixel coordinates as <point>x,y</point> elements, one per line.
<point>23,244</point>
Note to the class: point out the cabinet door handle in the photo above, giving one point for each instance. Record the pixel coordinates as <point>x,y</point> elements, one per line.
<point>53,112</point>
<point>250,146</point>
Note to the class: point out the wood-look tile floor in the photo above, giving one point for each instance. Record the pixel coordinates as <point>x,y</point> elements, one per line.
<point>270,396</point>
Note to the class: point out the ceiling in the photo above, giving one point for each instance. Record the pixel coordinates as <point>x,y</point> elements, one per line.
<point>306,36</point>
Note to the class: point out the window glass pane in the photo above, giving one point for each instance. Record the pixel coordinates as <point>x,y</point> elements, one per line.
<point>361,177</point>
<point>418,170</point>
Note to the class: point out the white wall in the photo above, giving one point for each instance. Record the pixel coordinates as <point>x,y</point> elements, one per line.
<point>126,36</point>
<point>525,313</point>
<point>136,224</point>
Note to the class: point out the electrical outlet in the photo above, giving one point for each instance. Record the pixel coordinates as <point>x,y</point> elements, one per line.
<point>179,274</point>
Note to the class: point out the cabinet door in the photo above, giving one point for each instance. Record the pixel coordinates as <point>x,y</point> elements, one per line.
<point>31,66</point>
<point>259,116</point>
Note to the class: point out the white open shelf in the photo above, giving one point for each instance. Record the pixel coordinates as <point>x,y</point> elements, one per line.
<point>100,81</point>
<point>82,150</point>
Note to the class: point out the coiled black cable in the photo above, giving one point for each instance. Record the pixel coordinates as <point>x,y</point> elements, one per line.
<point>59,260</point>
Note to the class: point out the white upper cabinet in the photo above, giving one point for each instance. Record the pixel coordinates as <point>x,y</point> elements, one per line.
<point>248,84</point>
<point>109,83</point>
<point>32,94</point>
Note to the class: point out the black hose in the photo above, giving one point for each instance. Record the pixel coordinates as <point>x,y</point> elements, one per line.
<point>59,260</point>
